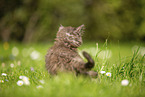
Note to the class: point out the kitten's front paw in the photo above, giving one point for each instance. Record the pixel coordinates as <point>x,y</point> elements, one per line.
<point>92,74</point>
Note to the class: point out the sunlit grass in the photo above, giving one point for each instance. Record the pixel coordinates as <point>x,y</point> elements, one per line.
<point>121,69</point>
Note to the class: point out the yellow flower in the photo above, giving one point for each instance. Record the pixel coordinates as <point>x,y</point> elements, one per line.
<point>6,45</point>
<point>1,81</point>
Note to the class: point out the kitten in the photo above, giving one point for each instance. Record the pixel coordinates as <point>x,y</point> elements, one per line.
<point>63,55</point>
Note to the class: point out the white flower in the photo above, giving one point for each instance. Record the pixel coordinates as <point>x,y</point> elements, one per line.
<point>20,83</point>
<point>35,55</point>
<point>25,80</point>
<point>15,51</point>
<point>41,81</point>
<point>108,74</point>
<point>1,81</point>
<point>4,74</point>
<point>39,87</point>
<point>12,65</point>
<point>102,72</point>
<point>124,82</point>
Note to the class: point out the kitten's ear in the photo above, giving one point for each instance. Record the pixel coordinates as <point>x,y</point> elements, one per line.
<point>82,26</point>
<point>61,27</point>
<point>78,29</point>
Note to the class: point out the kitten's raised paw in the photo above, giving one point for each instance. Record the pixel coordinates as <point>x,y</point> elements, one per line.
<point>90,63</point>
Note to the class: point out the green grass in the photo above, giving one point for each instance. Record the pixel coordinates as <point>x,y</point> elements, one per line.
<point>121,61</point>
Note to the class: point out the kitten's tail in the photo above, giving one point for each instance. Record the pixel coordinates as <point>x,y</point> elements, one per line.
<point>90,64</point>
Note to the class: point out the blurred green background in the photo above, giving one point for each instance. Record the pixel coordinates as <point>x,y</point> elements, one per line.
<point>39,20</point>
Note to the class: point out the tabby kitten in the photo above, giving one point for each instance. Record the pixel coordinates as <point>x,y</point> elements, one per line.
<point>63,55</point>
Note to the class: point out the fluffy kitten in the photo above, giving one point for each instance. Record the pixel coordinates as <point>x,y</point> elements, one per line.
<point>63,55</point>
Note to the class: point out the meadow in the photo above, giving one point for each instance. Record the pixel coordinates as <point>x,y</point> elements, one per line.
<point>120,67</point>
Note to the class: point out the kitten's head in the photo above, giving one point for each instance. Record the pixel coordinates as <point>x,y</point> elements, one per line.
<point>70,36</point>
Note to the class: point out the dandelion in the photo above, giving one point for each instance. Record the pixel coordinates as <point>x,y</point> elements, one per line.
<point>124,82</point>
<point>15,51</point>
<point>42,81</point>
<point>25,80</point>
<point>102,72</point>
<point>6,45</point>
<point>20,83</point>
<point>12,65</point>
<point>35,55</point>
<point>108,74</point>
<point>4,74</point>
<point>39,86</point>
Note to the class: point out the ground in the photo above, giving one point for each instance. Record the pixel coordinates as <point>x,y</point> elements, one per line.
<point>23,72</point>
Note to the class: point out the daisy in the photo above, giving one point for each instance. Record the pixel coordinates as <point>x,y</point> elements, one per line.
<point>20,83</point>
<point>4,74</point>
<point>102,72</point>
<point>108,74</point>
<point>1,81</point>
<point>124,82</point>
<point>25,80</point>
